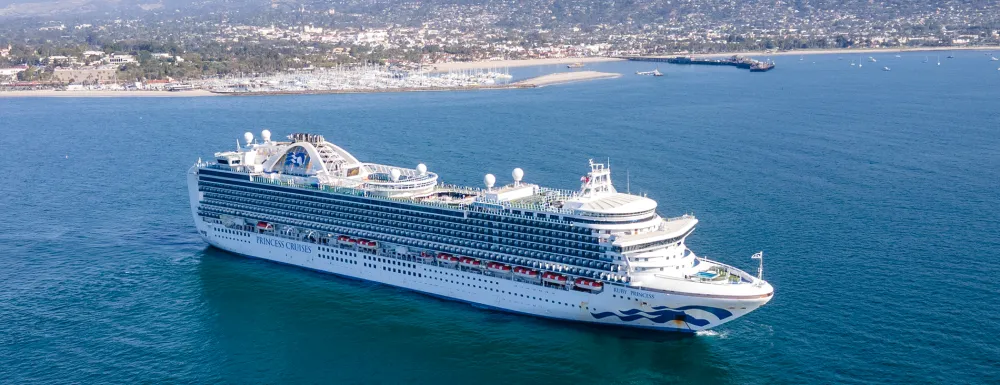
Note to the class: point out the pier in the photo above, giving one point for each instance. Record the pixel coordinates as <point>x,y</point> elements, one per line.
<point>735,61</point>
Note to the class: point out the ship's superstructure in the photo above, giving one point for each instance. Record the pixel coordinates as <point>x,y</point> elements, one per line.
<point>593,255</point>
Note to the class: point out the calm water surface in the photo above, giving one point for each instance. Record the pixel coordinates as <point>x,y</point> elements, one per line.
<point>873,194</point>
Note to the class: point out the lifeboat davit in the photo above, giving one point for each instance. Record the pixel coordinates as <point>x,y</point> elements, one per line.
<point>426,257</point>
<point>447,259</point>
<point>551,277</point>
<point>525,272</point>
<point>498,268</point>
<point>588,284</point>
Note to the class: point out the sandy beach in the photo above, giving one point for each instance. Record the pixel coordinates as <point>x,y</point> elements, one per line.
<point>500,64</point>
<point>104,94</point>
<point>566,77</point>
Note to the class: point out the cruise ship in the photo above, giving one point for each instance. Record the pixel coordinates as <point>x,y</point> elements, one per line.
<point>594,255</point>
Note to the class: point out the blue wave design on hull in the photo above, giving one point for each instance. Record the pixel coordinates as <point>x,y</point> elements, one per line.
<point>718,312</point>
<point>665,314</point>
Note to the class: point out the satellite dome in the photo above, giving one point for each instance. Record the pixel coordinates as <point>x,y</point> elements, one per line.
<point>394,174</point>
<point>518,174</point>
<point>489,180</point>
<point>266,135</point>
<point>248,137</point>
<point>422,169</point>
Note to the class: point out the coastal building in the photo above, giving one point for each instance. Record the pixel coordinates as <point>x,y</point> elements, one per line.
<point>10,73</point>
<point>157,84</point>
<point>120,59</point>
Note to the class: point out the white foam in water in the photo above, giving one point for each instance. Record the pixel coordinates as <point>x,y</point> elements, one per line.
<point>711,333</point>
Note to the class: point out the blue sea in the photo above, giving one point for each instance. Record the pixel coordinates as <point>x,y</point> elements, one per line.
<point>875,196</point>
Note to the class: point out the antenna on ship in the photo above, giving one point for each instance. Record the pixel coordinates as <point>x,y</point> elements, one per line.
<point>628,182</point>
<point>760,268</point>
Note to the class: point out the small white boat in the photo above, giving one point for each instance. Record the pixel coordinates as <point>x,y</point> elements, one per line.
<point>872,59</point>
<point>886,69</point>
<point>993,58</point>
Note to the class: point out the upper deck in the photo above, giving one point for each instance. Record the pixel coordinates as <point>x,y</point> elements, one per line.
<point>308,160</point>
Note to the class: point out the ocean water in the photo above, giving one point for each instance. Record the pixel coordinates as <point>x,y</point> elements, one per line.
<point>873,194</point>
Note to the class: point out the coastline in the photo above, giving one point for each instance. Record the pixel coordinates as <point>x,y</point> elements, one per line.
<point>104,94</point>
<point>538,81</point>
<point>487,64</point>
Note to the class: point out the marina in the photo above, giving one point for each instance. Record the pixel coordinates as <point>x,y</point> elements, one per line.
<point>359,79</point>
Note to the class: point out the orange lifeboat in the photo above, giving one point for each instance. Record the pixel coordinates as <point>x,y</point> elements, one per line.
<point>366,243</point>
<point>588,284</point>
<point>470,262</point>
<point>426,257</point>
<point>551,277</point>
<point>447,259</point>
<point>525,272</point>
<point>343,238</point>
<point>265,226</point>
<point>498,268</point>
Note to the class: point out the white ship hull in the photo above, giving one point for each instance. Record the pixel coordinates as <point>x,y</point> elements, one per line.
<point>615,305</point>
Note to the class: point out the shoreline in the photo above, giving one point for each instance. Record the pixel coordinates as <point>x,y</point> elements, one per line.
<point>511,86</point>
<point>535,82</point>
<point>105,94</point>
<point>488,64</point>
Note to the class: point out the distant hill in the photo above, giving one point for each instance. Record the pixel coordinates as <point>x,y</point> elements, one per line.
<point>540,13</point>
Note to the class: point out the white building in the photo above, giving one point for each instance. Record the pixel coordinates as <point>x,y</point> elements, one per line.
<point>10,73</point>
<point>120,59</point>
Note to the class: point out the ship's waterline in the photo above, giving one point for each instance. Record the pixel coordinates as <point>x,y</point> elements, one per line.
<point>593,255</point>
